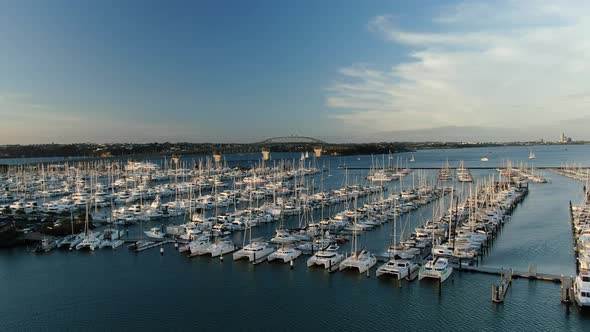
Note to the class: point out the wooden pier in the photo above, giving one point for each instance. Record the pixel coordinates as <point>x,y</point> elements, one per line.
<point>154,244</point>
<point>531,275</point>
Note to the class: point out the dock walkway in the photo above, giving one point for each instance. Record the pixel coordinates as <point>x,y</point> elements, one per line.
<point>515,274</point>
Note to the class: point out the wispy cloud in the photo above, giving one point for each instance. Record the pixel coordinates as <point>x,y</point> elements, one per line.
<point>506,65</point>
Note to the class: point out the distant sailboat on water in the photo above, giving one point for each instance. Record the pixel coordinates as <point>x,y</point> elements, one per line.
<point>532,155</point>
<point>412,159</point>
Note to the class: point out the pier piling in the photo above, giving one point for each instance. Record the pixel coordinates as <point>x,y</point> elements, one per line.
<point>566,289</point>
<point>499,291</point>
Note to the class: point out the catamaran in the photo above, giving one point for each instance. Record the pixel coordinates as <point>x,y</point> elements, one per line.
<point>286,253</point>
<point>436,269</point>
<point>328,257</point>
<point>362,261</point>
<point>398,268</point>
<point>90,240</point>
<point>254,251</point>
<point>220,247</point>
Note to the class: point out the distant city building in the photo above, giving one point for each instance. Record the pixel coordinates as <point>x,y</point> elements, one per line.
<point>564,139</point>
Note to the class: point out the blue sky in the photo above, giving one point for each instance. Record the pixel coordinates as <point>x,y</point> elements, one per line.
<point>198,71</point>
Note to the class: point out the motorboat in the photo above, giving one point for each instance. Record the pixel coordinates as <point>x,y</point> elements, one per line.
<point>155,233</point>
<point>582,288</point>
<point>46,245</point>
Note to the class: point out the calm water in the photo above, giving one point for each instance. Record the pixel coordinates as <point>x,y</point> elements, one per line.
<point>121,290</point>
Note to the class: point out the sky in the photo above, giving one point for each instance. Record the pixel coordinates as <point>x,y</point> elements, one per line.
<point>243,71</point>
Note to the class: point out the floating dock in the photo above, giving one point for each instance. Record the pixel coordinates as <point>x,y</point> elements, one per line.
<point>531,275</point>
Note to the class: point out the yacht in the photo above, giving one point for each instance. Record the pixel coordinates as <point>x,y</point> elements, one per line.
<point>328,258</point>
<point>199,246</point>
<point>436,269</point>
<point>220,248</point>
<point>76,240</point>
<point>582,288</point>
<point>403,252</point>
<point>442,250</point>
<point>286,253</point>
<point>46,245</point>
<point>254,251</point>
<point>91,241</point>
<point>398,268</point>
<point>283,236</point>
<point>155,233</point>
<point>484,159</point>
<point>67,241</point>
<point>362,261</point>
<point>111,238</point>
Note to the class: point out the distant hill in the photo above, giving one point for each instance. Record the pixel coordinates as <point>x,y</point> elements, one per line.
<point>575,128</point>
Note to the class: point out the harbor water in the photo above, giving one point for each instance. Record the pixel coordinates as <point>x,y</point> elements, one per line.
<point>120,290</point>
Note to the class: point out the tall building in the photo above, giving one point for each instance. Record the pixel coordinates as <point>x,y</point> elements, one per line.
<point>564,139</point>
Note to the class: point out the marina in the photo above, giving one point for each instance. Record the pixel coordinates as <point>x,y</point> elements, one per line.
<point>431,221</point>
<point>294,166</point>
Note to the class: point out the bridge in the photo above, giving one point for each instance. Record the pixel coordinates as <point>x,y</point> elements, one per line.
<point>291,140</point>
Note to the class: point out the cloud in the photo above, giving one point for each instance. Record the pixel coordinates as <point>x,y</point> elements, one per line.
<point>510,64</point>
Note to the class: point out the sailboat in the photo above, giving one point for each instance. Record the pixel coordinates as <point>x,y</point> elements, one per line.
<point>412,159</point>
<point>363,261</point>
<point>91,240</point>
<point>436,269</point>
<point>399,268</point>
<point>329,256</point>
<point>532,155</point>
<point>255,251</point>
<point>287,252</point>
<point>220,247</point>
<point>112,238</point>
<point>72,238</point>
